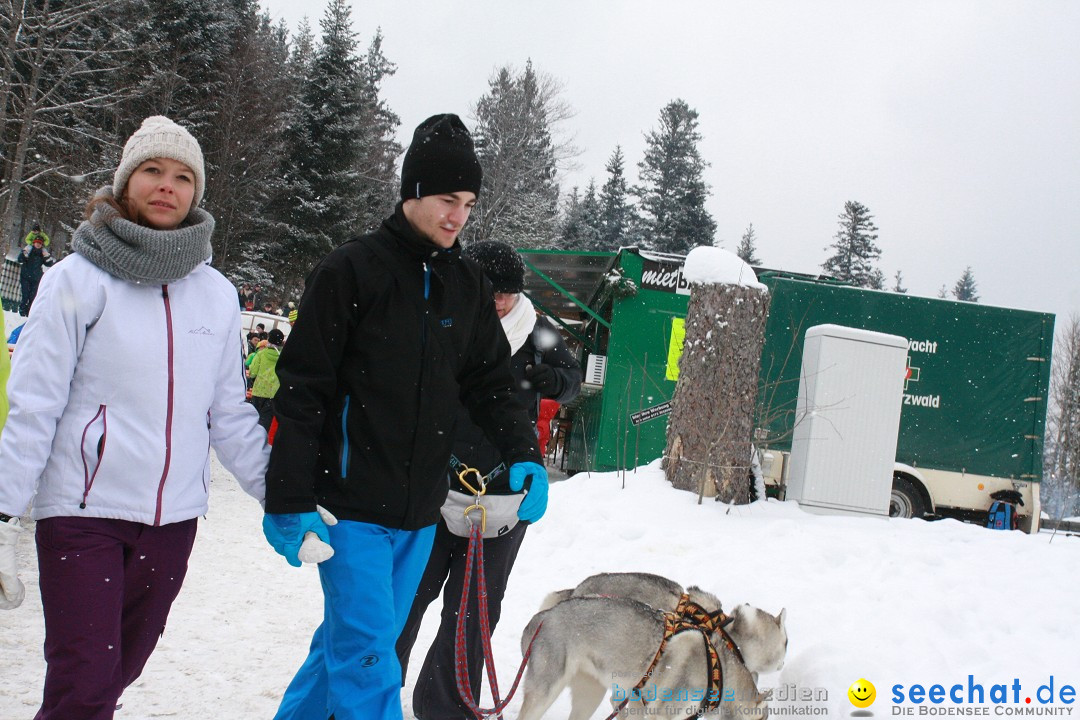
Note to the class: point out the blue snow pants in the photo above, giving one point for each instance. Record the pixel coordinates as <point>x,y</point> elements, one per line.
<point>352,669</point>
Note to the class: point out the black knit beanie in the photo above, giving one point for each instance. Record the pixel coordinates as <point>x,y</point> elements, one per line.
<point>441,159</point>
<point>501,263</point>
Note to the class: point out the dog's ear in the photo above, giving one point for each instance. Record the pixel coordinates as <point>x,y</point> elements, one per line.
<point>781,618</point>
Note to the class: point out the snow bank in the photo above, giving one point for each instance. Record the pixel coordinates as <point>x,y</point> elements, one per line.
<point>892,601</point>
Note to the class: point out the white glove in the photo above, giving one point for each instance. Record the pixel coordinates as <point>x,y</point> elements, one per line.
<point>26,251</point>
<point>314,550</point>
<point>11,588</point>
<point>45,252</point>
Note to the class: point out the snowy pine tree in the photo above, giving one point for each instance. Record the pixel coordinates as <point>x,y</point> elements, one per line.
<point>282,247</point>
<point>377,179</point>
<point>965,288</point>
<point>748,247</point>
<point>617,217</point>
<point>855,248</point>
<point>581,226</point>
<point>515,120</point>
<point>570,233</point>
<point>180,64</point>
<point>300,151</point>
<point>673,191</point>
<point>245,145</point>
<point>332,120</point>
<point>592,217</point>
<point>338,168</point>
<point>898,284</point>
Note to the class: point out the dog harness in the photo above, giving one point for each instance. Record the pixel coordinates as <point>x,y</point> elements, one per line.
<point>715,622</point>
<point>691,617</point>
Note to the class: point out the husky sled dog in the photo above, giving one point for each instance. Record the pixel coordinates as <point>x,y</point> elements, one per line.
<point>761,637</point>
<point>594,644</point>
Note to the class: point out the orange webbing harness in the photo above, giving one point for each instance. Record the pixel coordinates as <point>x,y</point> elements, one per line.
<point>715,622</point>
<point>689,616</point>
<point>692,616</point>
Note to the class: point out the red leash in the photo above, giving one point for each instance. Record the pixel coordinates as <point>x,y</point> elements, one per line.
<point>475,554</point>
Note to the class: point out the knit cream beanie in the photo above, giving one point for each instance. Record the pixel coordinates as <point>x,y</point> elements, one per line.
<point>160,137</point>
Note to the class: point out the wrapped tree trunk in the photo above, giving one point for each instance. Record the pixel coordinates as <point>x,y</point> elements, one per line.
<point>712,417</point>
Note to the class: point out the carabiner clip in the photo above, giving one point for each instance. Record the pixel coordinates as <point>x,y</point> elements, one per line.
<point>463,472</point>
<point>483,515</point>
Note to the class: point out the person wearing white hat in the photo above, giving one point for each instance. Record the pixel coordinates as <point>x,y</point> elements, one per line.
<point>128,372</point>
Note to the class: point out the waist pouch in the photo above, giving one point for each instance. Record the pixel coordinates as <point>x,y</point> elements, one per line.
<point>501,513</point>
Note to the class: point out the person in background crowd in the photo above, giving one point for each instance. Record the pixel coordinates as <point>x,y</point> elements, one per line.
<point>245,295</point>
<point>257,343</point>
<point>127,374</point>
<point>263,372</point>
<point>548,409</point>
<point>36,233</point>
<point>542,368</point>
<point>33,259</point>
<point>395,332</point>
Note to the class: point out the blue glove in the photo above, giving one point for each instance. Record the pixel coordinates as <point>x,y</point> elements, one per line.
<point>535,503</point>
<point>285,532</point>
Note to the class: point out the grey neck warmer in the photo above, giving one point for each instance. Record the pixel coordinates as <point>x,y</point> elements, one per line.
<point>141,254</point>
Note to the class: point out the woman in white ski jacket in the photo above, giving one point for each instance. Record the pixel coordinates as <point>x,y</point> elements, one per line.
<point>127,373</point>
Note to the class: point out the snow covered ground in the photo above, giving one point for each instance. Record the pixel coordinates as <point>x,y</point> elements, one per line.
<point>892,601</point>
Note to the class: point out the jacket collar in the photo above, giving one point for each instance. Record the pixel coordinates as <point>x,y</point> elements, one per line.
<point>414,244</point>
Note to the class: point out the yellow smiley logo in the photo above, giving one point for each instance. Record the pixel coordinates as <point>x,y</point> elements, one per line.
<point>862,693</point>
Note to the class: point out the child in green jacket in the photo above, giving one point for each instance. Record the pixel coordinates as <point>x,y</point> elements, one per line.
<point>263,370</point>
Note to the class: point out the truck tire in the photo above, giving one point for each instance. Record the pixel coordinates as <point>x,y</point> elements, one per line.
<point>906,500</point>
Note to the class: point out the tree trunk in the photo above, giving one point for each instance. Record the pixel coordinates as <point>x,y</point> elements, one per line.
<point>41,80</point>
<point>13,180</point>
<point>712,417</point>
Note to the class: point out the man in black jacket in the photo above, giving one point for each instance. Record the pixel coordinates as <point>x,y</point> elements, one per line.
<point>394,332</point>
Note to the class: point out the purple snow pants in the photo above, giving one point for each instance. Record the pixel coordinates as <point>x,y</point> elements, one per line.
<point>106,588</point>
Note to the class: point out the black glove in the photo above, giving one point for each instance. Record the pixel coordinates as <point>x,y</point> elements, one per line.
<point>544,379</point>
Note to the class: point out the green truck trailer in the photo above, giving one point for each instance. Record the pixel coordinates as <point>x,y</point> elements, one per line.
<point>975,397</point>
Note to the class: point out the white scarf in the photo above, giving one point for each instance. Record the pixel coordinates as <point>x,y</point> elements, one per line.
<point>519,322</point>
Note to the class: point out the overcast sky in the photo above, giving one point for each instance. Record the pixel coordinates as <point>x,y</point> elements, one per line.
<point>957,123</point>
